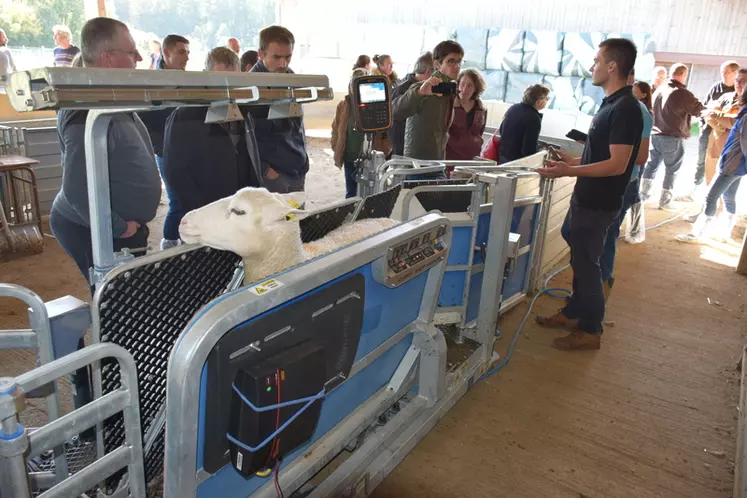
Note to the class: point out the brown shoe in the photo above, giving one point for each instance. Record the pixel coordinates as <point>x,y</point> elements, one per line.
<point>577,341</point>
<point>557,321</point>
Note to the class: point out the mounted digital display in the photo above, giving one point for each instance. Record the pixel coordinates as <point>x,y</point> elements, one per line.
<point>372,92</point>
<point>372,107</point>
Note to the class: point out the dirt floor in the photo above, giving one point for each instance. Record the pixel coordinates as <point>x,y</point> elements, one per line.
<point>650,415</point>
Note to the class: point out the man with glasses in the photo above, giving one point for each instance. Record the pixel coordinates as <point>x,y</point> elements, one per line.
<point>134,182</point>
<point>133,178</point>
<point>429,114</point>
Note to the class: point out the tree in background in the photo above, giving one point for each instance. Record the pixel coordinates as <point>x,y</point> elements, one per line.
<point>29,22</point>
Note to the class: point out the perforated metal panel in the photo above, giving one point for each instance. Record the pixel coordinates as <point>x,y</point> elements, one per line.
<point>144,309</point>
<point>378,205</point>
<point>319,223</point>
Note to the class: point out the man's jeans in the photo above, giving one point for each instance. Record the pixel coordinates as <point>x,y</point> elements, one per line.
<point>726,185</point>
<point>705,133</point>
<point>284,184</point>
<point>351,186</point>
<point>174,214</point>
<point>585,231</point>
<point>671,150</point>
<point>607,261</point>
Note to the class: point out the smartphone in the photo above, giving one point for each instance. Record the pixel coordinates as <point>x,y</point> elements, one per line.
<point>579,136</point>
<point>445,88</point>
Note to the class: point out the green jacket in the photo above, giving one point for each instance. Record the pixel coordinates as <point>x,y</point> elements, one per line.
<point>428,120</point>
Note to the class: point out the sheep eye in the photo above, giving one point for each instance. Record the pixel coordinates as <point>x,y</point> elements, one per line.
<point>237,212</point>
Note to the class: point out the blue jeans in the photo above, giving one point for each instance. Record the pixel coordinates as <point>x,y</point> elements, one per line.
<point>670,150</point>
<point>351,186</point>
<point>174,214</point>
<point>726,185</point>
<point>585,231</point>
<point>607,261</point>
<point>702,149</point>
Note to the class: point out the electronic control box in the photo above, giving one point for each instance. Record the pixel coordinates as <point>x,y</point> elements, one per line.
<point>405,261</point>
<point>372,103</point>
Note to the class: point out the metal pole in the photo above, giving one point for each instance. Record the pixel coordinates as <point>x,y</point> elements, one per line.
<point>14,479</point>
<point>39,323</point>
<point>99,197</point>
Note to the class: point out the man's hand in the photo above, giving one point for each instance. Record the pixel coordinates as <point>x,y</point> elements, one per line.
<point>427,87</point>
<point>271,174</point>
<point>555,169</point>
<point>132,227</point>
<point>566,158</point>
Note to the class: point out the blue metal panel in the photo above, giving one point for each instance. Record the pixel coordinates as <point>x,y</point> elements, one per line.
<point>460,245</point>
<point>483,230</point>
<point>517,278</point>
<point>386,312</point>
<point>452,288</point>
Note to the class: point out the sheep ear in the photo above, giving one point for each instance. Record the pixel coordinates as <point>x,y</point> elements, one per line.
<point>293,199</point>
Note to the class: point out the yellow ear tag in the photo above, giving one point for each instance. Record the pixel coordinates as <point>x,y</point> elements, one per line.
<point>294,205</point>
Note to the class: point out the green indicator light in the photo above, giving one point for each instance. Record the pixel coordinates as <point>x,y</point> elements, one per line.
<point>269,389</point>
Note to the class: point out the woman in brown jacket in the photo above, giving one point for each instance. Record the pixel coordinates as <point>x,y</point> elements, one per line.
<point>385,67</point>
<point>470,116</point>
<point>346,141</point>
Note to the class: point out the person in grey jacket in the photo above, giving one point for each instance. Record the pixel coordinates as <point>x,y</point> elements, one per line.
<point>133,176</point>
<point>282,142</point>
<point>428,114</point>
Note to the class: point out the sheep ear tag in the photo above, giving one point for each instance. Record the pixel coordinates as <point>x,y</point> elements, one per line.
<point>292,216</point>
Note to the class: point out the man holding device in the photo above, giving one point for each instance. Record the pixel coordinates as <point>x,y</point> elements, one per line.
<point>428,106</point>
<point>603,173</point>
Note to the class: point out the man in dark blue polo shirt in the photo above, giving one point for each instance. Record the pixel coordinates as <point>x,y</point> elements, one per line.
<point>603,174</point>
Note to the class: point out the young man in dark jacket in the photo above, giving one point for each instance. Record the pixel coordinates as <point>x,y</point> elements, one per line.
<point>174,57</point>
<point>428,114</point>
<point>423,70</point>
<point>205,162</point>
<point>282,142</point>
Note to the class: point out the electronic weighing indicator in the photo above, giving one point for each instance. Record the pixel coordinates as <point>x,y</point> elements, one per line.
<point>371,103</point>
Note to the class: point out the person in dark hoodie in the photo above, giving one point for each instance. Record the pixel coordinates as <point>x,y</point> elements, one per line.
<point>175,55</point>
<point>205,162</point>
<point>282,142</point>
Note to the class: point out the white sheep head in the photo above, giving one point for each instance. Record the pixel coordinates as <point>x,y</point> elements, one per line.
<point>251,222</point>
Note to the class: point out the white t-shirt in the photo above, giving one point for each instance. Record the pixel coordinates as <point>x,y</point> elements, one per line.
<point>7,65</point>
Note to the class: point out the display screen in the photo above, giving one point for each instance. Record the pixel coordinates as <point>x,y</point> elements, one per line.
<point>372,92</point>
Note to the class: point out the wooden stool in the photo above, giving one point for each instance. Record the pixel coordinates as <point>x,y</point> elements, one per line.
<point>20,219</point>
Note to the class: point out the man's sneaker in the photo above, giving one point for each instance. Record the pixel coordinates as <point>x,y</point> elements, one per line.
<point>689,238</point>
<point>168,244</point>
<point>691,218</point>
<point>578,341</point>
<point>688,197</point>
<point>557,321</point>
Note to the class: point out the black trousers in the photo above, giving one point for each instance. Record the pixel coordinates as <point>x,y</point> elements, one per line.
<point>585,231</point>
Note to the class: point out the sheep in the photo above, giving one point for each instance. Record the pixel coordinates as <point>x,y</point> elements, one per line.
<point>263,229</point>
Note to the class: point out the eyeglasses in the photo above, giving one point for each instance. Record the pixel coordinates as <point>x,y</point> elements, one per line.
<point>454,62</point>
<point>132,53</point>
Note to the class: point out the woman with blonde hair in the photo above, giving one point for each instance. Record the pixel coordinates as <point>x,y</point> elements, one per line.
<point>385,67</point>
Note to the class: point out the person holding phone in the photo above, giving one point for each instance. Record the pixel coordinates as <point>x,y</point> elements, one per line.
<point>428,105</point>
<point>603,173</point>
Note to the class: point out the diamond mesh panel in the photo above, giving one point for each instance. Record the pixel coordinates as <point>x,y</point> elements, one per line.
<point>145,310</point>
<point>79,453</point>
<point>319,224</point>
<point>445,201</point>
<point>379,205</point>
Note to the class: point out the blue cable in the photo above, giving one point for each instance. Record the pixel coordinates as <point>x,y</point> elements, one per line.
<point>502,363</point>
<point>309,401</point>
